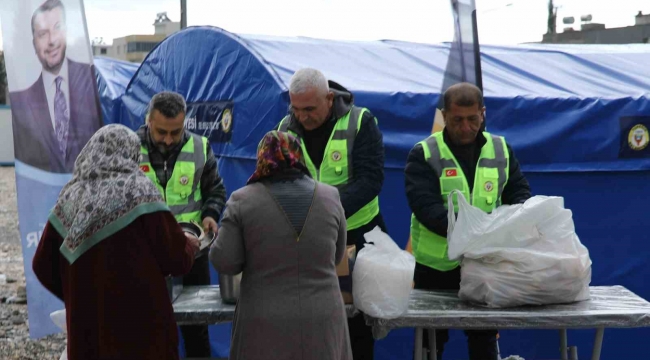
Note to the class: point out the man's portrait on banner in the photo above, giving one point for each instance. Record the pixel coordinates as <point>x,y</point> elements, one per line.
<point>55,116</point>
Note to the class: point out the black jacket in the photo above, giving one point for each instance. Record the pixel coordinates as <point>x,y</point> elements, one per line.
<point>423,186</point>
<point>213,192</point>
<point>367,157</point>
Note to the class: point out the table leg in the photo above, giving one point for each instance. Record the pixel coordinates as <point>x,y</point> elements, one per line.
<point>598,343</point>
<point>418,343</point>
<point>564,352</point>
<point>574,353</point>
<point>432,344</point>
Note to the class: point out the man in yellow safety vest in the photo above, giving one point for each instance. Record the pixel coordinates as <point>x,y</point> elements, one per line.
<point>480,165</point>
<point>343,147</point>
<point>183,167</point>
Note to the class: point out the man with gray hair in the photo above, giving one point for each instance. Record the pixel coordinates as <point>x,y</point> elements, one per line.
<point>343,147</point>
<point>183,167</point>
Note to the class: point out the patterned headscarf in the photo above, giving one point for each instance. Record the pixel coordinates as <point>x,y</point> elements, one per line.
<point>277,153</point>
<point>107,192</point>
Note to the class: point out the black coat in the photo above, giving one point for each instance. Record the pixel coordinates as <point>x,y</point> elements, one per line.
<point>423,186</point>
<point>367,159</point>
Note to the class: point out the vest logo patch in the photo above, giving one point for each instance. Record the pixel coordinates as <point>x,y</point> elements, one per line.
<point>144,168</point>
<point>336,156</point>
<point>451,172</point>
<point>184,180</point>
<point>488,186</point>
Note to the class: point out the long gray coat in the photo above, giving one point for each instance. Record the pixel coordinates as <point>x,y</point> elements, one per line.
<point>290,304</point>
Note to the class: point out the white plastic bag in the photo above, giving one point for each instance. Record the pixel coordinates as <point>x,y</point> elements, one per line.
<point>58,318</point>
<point>525,254</point>
<point>382,276</point>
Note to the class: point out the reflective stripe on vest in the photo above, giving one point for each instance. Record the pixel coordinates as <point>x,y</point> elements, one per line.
<point>491,176</point>
<point>337,167</point>
<point>183,192</point>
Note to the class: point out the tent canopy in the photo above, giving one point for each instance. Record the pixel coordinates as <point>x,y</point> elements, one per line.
<point>544,99</point>
<point>112,77</point>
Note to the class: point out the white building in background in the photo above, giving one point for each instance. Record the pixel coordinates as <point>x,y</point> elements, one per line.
<point>101,49</point>
<point>134,48</point>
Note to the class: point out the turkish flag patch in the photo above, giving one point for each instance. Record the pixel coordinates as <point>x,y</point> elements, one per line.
<point>451,172</point>
<point>144,168</point>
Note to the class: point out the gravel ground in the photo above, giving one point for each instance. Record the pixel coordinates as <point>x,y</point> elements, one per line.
<point>14,326</point>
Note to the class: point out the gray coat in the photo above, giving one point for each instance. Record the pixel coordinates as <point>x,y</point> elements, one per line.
<point>290,304</point>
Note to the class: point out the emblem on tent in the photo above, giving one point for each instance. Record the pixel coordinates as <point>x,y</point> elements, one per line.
<point>638,137</point>
<point>226,121</point>
<point>488,186</point>
<point>184,180</point>
<point>336,156</point>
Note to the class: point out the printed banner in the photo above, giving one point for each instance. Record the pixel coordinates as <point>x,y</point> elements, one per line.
<point>214,120</point>
<point>55,110</point>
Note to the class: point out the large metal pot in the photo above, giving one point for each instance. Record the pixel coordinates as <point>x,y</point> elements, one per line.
<point>229,286</point>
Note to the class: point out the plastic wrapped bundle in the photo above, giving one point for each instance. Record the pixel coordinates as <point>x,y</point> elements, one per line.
<point>382,277</point>
<point>525,254</point>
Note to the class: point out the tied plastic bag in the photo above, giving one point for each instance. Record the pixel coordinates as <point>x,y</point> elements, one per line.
<point>524,254</point>
<point>382,277</point>
<point>58,318</point>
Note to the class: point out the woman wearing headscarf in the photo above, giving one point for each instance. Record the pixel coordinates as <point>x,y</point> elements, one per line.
<point>105,251</point>
<point>286,233</point>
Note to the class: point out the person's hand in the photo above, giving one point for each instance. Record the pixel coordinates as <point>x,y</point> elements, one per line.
<point>209,224</point>
<point>194,242</point>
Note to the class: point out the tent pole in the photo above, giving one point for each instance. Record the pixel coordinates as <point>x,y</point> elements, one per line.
<point>477,52</point>
<point>477,61</point>
<point>183,14</point>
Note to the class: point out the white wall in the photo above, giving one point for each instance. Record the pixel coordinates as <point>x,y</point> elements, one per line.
<point>6,137</point>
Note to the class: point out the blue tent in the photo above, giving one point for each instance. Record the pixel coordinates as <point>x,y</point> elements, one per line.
<point>574,115</point>
<point>112,78</point>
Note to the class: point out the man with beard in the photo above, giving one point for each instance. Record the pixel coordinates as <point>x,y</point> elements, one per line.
<point>183,167</point>
<point>54,118</point>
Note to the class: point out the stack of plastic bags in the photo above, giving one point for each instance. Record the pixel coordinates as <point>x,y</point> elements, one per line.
<point>525,254</point>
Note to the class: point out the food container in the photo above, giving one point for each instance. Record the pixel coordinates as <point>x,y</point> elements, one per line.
<point>175,283</point>
<point>229,287</point>
<point>205,239</point>
<point>192,228</point>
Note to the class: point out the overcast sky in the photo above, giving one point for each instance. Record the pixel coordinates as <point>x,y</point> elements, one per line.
<point>500,21</point>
